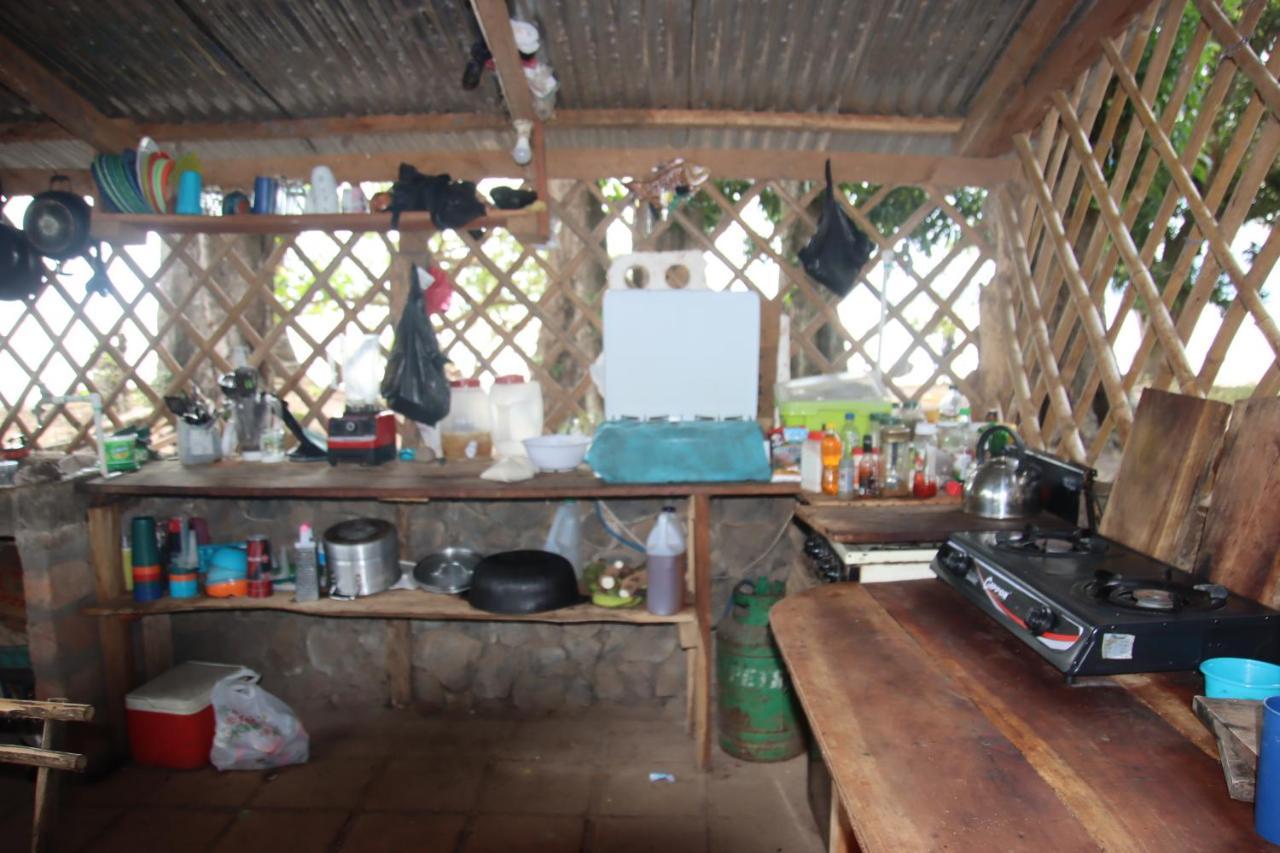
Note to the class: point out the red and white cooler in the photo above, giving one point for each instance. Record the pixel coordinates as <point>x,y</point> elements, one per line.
<point>171,717</point>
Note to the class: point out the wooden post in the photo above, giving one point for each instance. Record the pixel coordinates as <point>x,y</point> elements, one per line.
<point>113,634</point>
<point>46,808</point>
<point>400,633</point>
<point>411,249</point>
<point>700,558</point>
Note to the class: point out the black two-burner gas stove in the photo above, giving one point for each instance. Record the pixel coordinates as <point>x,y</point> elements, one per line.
<point>1091,606</point>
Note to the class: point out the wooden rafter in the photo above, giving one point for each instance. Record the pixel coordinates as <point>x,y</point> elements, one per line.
<point>495,23</point>
<point>40,87</point>
<point>1022,102</point>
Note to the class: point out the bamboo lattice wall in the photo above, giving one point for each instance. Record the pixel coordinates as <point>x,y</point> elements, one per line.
<point>534,308</point>
<point>1142,176</point>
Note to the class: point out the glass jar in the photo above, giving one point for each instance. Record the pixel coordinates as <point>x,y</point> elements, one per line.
<point>924,454</point>
<point>895,461</point>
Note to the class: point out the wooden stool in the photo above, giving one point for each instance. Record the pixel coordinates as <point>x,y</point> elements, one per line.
<point>45,757</point>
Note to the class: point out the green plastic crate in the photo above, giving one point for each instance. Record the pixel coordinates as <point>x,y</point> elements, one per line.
<point>813,415</point>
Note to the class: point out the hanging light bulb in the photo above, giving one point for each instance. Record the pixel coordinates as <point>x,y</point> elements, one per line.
<point>522,153</point>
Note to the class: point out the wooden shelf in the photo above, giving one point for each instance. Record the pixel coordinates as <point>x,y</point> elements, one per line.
<point>393,604</point>
<point>109,226</point>
<point>395,481</point>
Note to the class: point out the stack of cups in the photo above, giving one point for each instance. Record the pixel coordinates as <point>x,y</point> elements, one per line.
<point>148,574</point>
<point>184,573</point>
<point>1266,801</point>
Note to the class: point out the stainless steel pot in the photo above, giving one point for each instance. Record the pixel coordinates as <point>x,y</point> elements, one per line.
<point>363,556</point>
<point>1002,486</point>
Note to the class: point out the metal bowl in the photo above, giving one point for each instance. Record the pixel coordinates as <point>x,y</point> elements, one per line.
<point>447,571</point>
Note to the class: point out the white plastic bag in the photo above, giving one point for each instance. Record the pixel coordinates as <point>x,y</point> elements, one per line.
<point>253,729</point>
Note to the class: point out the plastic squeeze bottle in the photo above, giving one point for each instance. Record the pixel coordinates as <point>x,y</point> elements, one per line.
<point>665,552</point>
<point>830,462</point>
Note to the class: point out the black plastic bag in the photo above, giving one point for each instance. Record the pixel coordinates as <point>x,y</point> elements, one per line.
<point>451,203</point>
<point>414,384</point>
<point>838,249</point>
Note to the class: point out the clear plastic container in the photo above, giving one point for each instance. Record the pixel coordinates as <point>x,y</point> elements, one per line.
<point>516,408</point>
<point>465,433</point>
<point>565,536</point>
<point>895,465</point>
<point>199,444</point>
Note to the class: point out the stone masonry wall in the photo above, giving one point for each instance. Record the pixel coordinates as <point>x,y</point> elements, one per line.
<point>461,666</point>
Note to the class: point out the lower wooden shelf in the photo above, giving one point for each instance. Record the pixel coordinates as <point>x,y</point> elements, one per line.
<point>393,604</point>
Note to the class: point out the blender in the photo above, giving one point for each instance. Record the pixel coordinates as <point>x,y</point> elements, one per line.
<point>365,433</point>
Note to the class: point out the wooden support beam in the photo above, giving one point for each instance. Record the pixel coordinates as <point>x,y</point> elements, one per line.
<point>1023,102</point>
<point>40,87</point>
<point>754,120</point>
<point>51,709</point>
<point>31,756</point>
<point>495,23</point>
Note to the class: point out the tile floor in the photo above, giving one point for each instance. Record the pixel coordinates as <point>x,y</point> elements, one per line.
<point>399,782</point>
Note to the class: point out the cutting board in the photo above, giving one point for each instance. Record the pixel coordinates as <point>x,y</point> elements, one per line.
<point>1235,723</point>
<point>1166,471</point>
<point>684,353</point>
<point>1240,548</point>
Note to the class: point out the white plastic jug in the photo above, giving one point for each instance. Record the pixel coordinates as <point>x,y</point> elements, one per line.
<point>468,408</point>
<point>516,406</point>
<point>665,553</point>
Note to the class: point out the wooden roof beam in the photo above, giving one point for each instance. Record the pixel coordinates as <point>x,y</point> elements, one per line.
<point>1042,57</point>
<point>40,87</point>
<point>495,23</point>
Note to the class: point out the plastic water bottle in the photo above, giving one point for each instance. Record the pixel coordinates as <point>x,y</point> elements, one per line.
<point>565,536</point>
<point>665,552</point>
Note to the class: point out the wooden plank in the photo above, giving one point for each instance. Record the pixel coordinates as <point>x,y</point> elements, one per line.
<point>495,24</point>
<point>115,642</point>
<point>859,525</point>
<point>392,604</point>
<point>770,330</point>
<point>108,226</point>
<point>700,558</point>
<point>1161,483</point>
<point>50,709</point>
<point>1095,743</point>
<point>758,120</point>
<point>1028,45</point>
<point>1073,51</point>
<point>1236,724</point>
<point>30,756</point>
<point>396,480</point>
<point>1240,548</point>
<point>916,763</point>
<point>33,82</point>
<point>46,805</point>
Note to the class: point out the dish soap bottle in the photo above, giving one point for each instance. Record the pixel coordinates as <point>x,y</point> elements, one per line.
<point>665,553</point>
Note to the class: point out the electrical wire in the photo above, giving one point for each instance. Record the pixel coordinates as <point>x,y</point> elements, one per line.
<point>630,543</point>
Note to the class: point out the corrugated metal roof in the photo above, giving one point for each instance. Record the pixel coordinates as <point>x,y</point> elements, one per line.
<point>897,57</point>
<point>197,60</point>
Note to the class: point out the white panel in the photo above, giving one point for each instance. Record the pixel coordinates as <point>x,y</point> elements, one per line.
<point>681,353</point>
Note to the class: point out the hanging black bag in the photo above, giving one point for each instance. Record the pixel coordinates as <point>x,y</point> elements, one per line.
<point>414,384</point>
<point>838,249</point>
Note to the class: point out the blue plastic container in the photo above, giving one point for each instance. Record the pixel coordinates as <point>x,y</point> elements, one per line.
<point>683,452</point>
<point>1240,678</point>
<point>1266,800</point>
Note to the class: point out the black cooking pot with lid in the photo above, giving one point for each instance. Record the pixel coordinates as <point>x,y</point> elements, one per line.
<point>57,221</point>
<point>523,582</point>
<point>21,272</point>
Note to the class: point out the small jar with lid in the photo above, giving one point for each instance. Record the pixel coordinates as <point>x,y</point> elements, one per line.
<point>924,452</point>
<point>895,461</point>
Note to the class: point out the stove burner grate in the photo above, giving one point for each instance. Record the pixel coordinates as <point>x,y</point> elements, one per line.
<point>1049,543</point>
<point>1154,596</point>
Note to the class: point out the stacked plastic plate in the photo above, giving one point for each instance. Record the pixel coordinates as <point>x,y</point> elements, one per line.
<point>135,181</point>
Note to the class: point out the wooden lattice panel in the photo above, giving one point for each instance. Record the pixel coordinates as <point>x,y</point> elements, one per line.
<point>1142,177</point>
<point>185,303</point>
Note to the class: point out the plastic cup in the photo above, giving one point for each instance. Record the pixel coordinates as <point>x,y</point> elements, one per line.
<point>143,541</point>
<point>264,194</point>
<point>1266,800</point>
<point>190,191</point>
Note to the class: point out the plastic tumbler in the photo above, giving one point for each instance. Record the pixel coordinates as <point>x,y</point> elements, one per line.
<point>190,190</point>
<point>264,194</point>
<point>1266,800</point>
<point>148,578</point>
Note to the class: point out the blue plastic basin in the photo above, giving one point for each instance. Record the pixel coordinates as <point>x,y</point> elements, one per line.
<point>1240,678</point>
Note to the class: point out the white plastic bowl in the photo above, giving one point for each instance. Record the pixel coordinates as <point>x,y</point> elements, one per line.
<point>557,452</point>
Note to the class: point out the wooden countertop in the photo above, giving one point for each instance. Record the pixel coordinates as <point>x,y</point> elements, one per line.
<point>394,481</point>
<point>891,520</point>
<point>942,731</point>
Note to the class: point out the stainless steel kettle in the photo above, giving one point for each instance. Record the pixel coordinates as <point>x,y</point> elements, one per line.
<point>1004,486</point>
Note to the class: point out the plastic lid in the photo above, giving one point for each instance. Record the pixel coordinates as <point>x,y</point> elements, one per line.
<point>182,690</point>
<point>815,434</point>
<point>848,416</point>
<point>510,379</point>
<point>306,539</point>
<point>926,428</point>
<point>466,383</point>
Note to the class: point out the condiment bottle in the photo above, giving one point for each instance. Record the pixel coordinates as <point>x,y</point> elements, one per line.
<point>811,462</point>
<point>847,477</point>
<point>867,475</point>
<point>830,462</point>
<point>856,463</point>
<point>925,452</point>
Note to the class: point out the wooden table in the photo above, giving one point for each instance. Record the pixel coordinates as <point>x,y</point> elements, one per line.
<point>407,483</point>
<point>942,731</point>
<point>883,521</point>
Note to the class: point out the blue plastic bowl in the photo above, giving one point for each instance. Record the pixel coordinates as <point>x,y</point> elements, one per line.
<point>1240,678</point>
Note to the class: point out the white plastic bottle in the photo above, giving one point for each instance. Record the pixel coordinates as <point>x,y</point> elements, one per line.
<point>307,582</point>
<point>565,536</point>
<point>665,553</point>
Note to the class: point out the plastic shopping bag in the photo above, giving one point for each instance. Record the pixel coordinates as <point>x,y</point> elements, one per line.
<point>253,729</point>
<point>414,384</point>
<point>838,249</point>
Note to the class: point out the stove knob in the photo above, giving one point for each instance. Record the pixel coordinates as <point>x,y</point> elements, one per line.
<point>1040,619</point>
<point>955,561</point>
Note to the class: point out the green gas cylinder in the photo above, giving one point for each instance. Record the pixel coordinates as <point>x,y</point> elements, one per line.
<point>759,714</point>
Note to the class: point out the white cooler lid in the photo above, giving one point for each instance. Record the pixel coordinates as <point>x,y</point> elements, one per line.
<point>182,690</point>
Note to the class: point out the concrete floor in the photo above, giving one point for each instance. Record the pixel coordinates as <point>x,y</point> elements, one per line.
<point>398,781</point>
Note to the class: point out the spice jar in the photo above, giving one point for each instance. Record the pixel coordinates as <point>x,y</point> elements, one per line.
<point>895,461</point>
